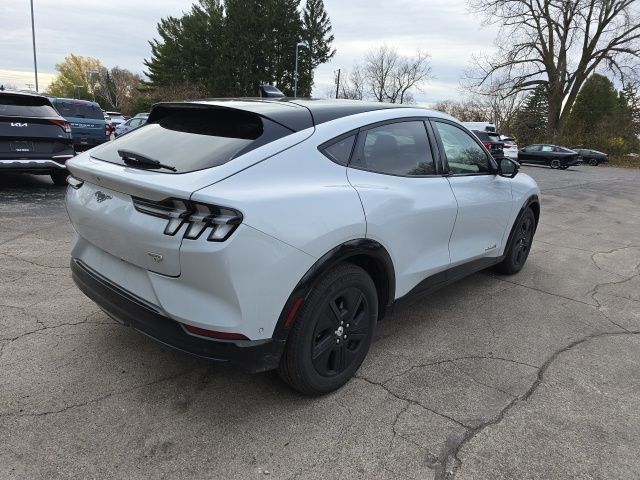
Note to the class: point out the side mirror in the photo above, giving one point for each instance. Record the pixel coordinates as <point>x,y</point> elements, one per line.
<point>508,168</point>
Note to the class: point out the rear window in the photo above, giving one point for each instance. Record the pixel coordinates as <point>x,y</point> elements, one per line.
<point>26,106</point>
<point>487,136</point>
<point>78,110</point>
<point>194,138</point>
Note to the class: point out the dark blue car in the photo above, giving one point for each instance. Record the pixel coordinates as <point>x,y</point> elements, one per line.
<point>88,126</point>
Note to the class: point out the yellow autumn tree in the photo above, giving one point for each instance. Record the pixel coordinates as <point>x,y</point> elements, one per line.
<point>77,77</point>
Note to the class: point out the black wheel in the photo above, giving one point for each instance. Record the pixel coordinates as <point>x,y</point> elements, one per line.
<point>518,250</point>
<point>332,333</point>
<point>555,163</point>
<point>59,179</point>
<point>593,162</point>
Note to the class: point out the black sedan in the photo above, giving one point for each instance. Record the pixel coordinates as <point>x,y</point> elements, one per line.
<point>551,155</point>
<point>592,157</point>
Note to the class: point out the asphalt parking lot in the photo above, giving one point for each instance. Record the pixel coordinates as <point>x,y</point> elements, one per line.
<point>531,376</point>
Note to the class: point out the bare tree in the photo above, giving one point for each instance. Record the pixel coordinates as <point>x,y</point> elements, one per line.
<point>469,110</point>
<point>499,103</point>
<point>117,86</point>
<point>390,77</point>
<point>352,86</point>
<point>558,44</point>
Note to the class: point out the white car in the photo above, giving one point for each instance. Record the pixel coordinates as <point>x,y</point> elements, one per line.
<point>129,125</point>
<point>510,147</point>
<point>275,234</point>
<point>116,118</point>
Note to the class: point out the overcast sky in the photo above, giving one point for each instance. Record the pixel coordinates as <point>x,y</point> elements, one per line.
<point>117,31</point>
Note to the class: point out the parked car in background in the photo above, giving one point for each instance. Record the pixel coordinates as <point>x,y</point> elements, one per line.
<point>189,231</point>
<point>129,125</point>
<point>551,155</point>
<point>491,141</point>
<point>143,115</point>
<point>110,127</point>
<point>34,138</point>
<point>483,126</point>
<point>116,118</point>
<point>592,157</point>
<point>88,125</point>
<point>510,147</point>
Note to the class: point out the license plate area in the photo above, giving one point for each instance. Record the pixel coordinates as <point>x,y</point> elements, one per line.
<point>21,147</point>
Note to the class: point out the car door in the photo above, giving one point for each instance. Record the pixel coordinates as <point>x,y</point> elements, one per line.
<point>530,154</point>
<point>484,199</point>
<point>408,204</point>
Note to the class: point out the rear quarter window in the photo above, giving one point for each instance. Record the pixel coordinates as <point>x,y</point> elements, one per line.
<point>193,138</point>
<point>339,150</point>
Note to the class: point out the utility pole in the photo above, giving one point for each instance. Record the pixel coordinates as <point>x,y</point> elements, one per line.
<point>295,83</point>
<point>33,37</point>
<point>338,84</point>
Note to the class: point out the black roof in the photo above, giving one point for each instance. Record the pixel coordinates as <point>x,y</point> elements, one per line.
<point>20,93</point>
<point>295,114</point>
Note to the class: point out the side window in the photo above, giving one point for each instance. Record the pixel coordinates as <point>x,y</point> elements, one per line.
<point>339,151</point>
<point>547,148</point>
<point>400,148</point>
<point>464,155</point>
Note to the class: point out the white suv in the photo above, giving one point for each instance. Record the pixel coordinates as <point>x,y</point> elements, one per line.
<point>274,234</point>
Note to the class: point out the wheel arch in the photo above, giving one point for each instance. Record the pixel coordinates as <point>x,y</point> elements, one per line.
<point>533,202</point>
<point>366,253</point>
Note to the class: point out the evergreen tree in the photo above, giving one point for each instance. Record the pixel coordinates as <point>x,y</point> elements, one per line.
<point>601,118</point>
<point>316,33</point>
<point>530,121</point>
<point>188,51</point>
<point>230,48</point>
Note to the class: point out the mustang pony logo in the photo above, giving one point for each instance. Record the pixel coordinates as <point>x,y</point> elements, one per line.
<point>101,197</point>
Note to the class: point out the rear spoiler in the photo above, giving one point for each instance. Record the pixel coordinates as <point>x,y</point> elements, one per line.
<point>289,115</point>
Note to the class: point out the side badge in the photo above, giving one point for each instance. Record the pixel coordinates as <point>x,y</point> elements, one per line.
<point>156,257</point>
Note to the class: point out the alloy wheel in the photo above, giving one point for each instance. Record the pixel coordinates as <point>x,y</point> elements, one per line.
<point>341,331</point>
<point>523,240</point>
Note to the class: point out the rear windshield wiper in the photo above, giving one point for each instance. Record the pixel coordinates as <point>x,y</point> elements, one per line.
<point>132,158</point>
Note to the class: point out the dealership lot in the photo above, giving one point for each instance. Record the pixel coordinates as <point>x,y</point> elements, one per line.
<point>531,376</point>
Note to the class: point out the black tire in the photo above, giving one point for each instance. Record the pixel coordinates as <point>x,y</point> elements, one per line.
<point>555,163</point>
<point>520,246</point>
<point>59,179</point>
<point>593,162</point>
<point>345,294</point>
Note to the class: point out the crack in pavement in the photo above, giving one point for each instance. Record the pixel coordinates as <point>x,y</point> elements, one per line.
<point>456,359</point>
<point>451,463</point>
<point>411,401</point>
<point>103,397</point>
<point>52,327</point>
<point>66,267</point>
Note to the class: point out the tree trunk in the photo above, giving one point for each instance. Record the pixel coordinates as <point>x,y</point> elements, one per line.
<point>556,96</point>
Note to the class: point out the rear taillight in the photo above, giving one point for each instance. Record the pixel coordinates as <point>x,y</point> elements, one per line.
<point>63,125</point>
<point>197,216</point>
<point>487,145</point>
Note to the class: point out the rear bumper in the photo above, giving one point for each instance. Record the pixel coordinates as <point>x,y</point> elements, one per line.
<point>34,165</point>
<point>252,356</point>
